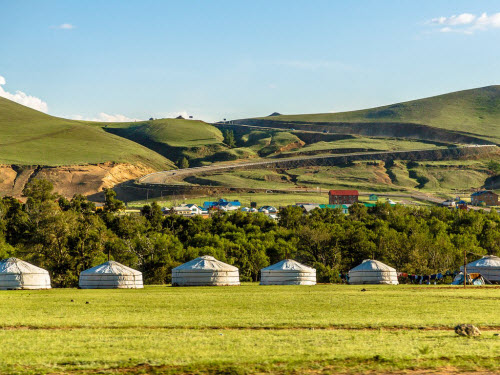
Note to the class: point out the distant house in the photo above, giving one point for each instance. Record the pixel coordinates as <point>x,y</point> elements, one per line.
<point>307,207</point>
<point>449,203</point>
<point>373,197</point>
<point>462,205</point>
<point>188,210</point>
<point>344,208</point>
<point>269,209</point>
<point>487,197</point>
<point>222,204</point>
<point>343,196</point>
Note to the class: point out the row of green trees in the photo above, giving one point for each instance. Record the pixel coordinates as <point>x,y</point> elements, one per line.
<point>68,236</point>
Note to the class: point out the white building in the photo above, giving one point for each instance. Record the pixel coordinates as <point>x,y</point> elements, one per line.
<point>111,275</point>
<point>488,266</point>
<point>373,272</point>
<point>288,272</point>
<point>205,271</point>
<point>18,274</point>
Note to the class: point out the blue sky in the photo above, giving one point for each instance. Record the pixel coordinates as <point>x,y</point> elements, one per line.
<point>234,59</point>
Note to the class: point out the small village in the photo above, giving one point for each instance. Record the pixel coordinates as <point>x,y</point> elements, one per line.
<point>338,199</point>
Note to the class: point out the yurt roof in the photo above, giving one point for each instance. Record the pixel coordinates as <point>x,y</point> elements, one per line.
<point>111,268</point>
<point>488,261</point>
<point>372,265</point>
<point>18,266</point>
<point>288,265</point>
<point>205,262</point>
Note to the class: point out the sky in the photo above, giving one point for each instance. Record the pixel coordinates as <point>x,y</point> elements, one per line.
<point>120,60</point>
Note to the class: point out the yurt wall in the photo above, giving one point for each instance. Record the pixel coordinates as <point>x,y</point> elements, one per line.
<point>18,274</point>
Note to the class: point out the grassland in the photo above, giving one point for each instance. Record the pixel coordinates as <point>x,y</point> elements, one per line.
<point>278,329</point>
<point>29,137</point>
<point>475,112</point>
<point>365,143</point>
<point>172,132</point>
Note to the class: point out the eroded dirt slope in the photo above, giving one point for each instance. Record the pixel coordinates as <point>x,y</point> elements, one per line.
<point>70,180</point>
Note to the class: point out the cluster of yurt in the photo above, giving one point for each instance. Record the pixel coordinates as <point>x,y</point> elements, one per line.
<point>205,271</point>
<point>18,274</point>
<point>488,266</point>
<point>288,272</point>
<point>208,271</point>
<point>373,272</point>
<point>110,275</point>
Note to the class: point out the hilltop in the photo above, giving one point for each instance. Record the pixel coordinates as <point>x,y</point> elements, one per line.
<point>29,137</point>
<point>172,138</point>
<point>474,112</point>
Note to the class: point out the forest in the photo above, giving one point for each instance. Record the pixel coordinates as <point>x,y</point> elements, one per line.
<point>68,236</point>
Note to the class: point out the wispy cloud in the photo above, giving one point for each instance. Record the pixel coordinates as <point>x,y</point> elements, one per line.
<point>23,98</point>
<point>466,23</point>
<point>64,26</point>
<point>104,117</point>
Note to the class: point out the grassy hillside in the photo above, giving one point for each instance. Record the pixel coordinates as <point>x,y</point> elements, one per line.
<point>172,132</point>
<point>173,138</point>
<point>475,111</point>
<point>29,137</point>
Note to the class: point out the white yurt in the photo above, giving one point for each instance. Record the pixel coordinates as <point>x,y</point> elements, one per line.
<point>111,275</point>
<point>18,274</point>
<point>205,271</point>
<point>288,272</point>
<point>373,272</point>
<point>488,266</point>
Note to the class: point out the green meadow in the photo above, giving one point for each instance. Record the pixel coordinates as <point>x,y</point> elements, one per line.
<point>248,329</point>
<point>29,137</point>
<point>475,112</point>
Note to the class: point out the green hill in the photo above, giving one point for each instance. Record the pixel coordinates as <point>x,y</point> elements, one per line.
<point>173,138</point>
<point>475,112</point>
<point>29,137</point>
<point>172,132</point>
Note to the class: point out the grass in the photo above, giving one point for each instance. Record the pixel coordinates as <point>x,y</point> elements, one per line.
<point>378,144</point>
<point>172,132</point>
<point>29,137</point>
<point>475,111</point>
<point>251,328</point>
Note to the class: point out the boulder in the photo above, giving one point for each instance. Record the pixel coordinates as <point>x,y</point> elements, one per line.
<point>467,330</point>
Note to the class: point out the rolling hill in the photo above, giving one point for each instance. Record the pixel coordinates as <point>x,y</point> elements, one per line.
<point>474,113</point>
<point>172,138</point>
<point>29,137</point>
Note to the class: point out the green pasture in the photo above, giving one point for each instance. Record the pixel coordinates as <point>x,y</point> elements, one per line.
<point>29,137</point>
<point>172,132</point>
<point>278,329</point>
<point>475,112</point>
<point>376,144</point>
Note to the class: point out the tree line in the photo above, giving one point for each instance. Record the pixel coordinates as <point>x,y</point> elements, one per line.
<point>68,236</point>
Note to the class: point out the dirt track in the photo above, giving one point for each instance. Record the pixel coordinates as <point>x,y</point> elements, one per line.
<point>166,177</point>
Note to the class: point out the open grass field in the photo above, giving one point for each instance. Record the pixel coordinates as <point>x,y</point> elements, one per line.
<point>475,111</point>
<point>248,329</point>
<point>29,137</point>
<point>376,144</point>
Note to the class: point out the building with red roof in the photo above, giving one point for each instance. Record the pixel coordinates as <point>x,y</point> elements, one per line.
<point>343,196</point>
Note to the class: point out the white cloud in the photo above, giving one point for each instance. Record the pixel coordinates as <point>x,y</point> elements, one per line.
<point>23,98</point>
<point>467,23</point>
<point>104,117</point>
<point>64,26</point>
<point>461,19</point>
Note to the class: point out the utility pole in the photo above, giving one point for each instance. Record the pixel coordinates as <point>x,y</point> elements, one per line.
<point>465,268</point>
